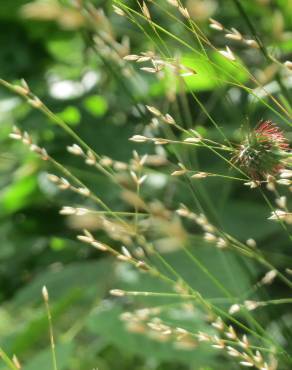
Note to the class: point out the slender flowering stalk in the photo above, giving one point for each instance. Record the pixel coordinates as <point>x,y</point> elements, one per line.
<point>45,295</point>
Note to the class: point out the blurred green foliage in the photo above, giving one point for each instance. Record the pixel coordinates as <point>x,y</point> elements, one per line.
<point>38,246</point>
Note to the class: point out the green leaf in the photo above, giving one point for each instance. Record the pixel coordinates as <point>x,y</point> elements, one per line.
<point>18,194</point>
<point>67,50</point>
<point>76,285</point>
<point>30,332</point>
<point>58,244</point>
<point>71,115</point>
<point>105,322</point>
<point>244,220</point>
<point>43,359</point>
<point>208,75</point>
<point>96,105</point>
<point>225,266</point>
<point>75,276</point>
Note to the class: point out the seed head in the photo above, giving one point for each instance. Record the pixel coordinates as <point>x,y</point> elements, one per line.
<point>262,151</point>
<point>45,293</point>
<point>117,292</point>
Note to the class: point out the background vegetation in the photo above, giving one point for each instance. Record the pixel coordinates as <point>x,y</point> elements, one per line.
<point>69,63</point>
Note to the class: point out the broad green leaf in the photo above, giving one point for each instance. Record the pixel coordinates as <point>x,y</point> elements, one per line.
<point>244,220</point>
<point>18,194</point>
<point>208,76</point>
<point>74,276</point>
<point>105,322</point>
<point>224,266</point>
<point>30,332</point>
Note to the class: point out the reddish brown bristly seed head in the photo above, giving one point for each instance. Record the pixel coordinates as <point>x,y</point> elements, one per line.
<point>263,151</point>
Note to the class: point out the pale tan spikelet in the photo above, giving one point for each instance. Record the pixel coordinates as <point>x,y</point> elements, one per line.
<point>75,149</point>
<point>288,64</point>
<point>117,292</point>
<point>131,57</point>
<point>119,11</point>
<point>16,362</point>
<point>234,35</point>
<point>45,293</point>
<point>228,54</point>
<point>145,11</point>
<point>184,12</point>
<point>200,175</point>
<point>139,138</point>
<point>251,243</point>
<point>216,25</point>
<point>154,110</point>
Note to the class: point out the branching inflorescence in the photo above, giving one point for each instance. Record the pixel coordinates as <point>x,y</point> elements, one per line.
<point>262,157</point>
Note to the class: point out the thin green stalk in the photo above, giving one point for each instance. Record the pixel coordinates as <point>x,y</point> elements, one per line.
<point>214,151</point>
<point>207,305</point>
<point>221,287</point>
<point>94,197</point>
<point>7,360</point>
<point>119,213</point>
<point>182,42</point>
<point>207,273</point>
<point>277,301</point>
<point>38,104</point>
<point>152,25</point>
<point>263,49</point>
<point>51,332</point>
<point>279,219</point>
<point>258,256</point>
